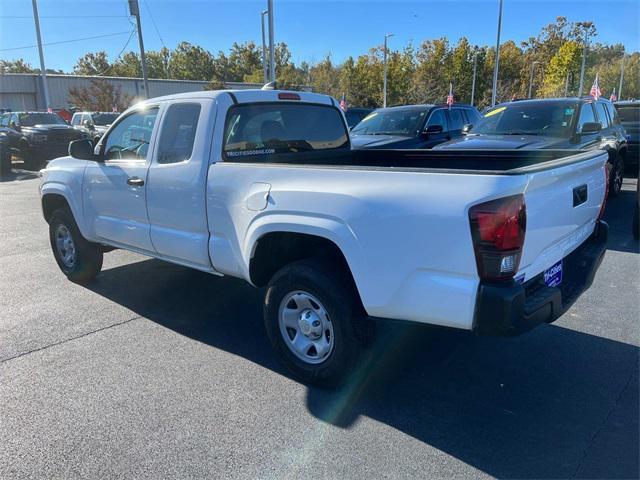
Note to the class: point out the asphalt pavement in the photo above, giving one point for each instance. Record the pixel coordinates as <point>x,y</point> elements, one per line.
<point>158,371</point>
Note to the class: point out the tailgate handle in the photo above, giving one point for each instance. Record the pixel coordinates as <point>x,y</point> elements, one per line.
<point>579,195</point>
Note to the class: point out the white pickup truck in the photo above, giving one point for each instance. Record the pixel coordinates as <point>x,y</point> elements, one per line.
<point>263,185</point>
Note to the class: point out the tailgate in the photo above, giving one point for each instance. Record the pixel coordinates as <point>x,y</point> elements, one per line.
<point>563,204</point>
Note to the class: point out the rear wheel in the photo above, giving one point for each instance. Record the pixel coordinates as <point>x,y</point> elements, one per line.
<point>616,177</point>
<point>312,318</point>
<point>79,259</point>
<point>27,156</point>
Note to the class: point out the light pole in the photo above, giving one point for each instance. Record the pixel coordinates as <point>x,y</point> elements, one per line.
<point>586,26</point>
<point>43,71</point>
<point>566,85</point>
<point>621,77</point>
<point>473,82</point>
<point>272,62</point>
<point>264,49</point>
<point>384,80</point>
<point>533,66</point>
<point>134,9</point>
<point>497,62</point>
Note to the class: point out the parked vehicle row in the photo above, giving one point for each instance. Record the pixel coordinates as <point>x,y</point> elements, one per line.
<point>37,137</point>
<point>264,185</point>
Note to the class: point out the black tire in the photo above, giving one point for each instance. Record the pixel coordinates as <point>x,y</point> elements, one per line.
<point>339,300</point>
<point>616,176</point>
<point>87,256</point>
<point>28,157</point>
<point>635,227</point>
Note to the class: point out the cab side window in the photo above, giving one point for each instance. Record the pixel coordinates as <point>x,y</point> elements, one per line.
<point>130,138</point>
<point>587,115</point>
<point>4,120</point>
<point>178,132</point>
<point>438,117</point>
<point>603,118</point>
<point>76,119</point>
<point>613,114</point>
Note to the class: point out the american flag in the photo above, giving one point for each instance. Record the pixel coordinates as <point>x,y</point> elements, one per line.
<point>343,103</point>
<point>450,96</point>
<point>595,89</point>
<point>613,97</point>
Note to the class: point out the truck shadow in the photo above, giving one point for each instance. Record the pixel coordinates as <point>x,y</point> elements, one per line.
<point>618,215</point>
<point>520,407</point>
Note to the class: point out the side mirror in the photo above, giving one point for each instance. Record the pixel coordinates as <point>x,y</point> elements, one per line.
<point>590,127</point>
<point>434,129</point>
<point>88,124</point>
<point>83,150</point>
<point>466,128</point>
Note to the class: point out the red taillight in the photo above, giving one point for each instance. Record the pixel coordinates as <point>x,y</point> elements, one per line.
<point>498,228</point>
<point>288,96</point>
<point>606,190</point>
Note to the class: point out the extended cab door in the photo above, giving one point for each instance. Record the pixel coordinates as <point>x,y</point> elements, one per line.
<point>176,192</point>
<point>115,190</point>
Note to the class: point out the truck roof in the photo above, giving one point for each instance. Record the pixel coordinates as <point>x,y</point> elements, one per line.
<point>249,96</point>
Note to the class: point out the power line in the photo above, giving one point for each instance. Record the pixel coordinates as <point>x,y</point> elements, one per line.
<point>108,69</point>
<point>65,16</point>
<point>154,23</point>
<point>66,41</point>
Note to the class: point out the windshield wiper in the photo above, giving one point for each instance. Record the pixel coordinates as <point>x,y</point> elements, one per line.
<point>519,133</point>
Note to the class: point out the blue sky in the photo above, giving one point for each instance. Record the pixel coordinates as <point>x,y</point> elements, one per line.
<point>311,28</point>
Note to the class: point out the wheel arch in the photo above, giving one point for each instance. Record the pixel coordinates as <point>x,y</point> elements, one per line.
<point>56,195</point>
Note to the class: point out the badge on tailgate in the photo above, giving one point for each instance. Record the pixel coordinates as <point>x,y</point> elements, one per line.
<point>553,275</point>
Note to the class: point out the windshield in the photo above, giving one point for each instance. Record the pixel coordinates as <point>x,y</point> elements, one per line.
<point>394,121</point>
<point>32,119</point>
<point>104,118</point>
<point>549,119</point>
<point>629,114</point>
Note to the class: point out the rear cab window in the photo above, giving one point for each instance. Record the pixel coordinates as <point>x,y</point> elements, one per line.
<point>178,132</point>
<point>255,131</point>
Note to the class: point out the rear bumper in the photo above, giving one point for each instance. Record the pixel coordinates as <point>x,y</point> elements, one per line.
<point>513,308</point>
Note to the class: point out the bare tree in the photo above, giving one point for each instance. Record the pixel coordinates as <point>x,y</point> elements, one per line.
<point>100,96</point>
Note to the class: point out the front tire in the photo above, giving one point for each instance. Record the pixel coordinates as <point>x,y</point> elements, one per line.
<point>79,259</point>
<point>312,317</point>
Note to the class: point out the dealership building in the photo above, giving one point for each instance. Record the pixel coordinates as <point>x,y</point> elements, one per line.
<point>23,91</point>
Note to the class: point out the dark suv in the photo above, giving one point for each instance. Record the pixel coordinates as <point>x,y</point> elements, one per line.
<point>629,113</point>
<point>37,136</point>
<point>412,126</point>
<point>553,123</point>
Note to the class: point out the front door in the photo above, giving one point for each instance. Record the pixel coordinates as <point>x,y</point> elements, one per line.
<point>115,189</point>
<point>437,117</point>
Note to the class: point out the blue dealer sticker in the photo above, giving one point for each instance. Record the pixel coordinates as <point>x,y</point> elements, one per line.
<point>553,275</point>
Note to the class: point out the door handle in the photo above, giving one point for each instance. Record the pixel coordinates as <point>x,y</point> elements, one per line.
<point>135,182</point>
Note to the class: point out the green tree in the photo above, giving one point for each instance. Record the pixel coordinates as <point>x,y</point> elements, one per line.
<point>562,68</point>
<point>16,66</point>
<point>190,62</point>
<point>92,64</point>
<point>100,96</point>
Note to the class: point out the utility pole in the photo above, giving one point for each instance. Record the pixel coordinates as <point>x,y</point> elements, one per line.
<point>272,61</point>
<point>566,85</point>
<point>621,77</point>
<point>533,66</point>
<point>43,71</point>
<point>586,26</point>
<point>134,10</point>
<point>384,79</point>
<point>473,82</point>
<point>497,62</point>
<point>265,67</point>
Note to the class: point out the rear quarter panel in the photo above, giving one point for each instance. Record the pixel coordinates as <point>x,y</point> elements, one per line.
<point>405,235</point>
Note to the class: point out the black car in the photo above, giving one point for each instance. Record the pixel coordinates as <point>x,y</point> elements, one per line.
<point>37,136</point>
<point>554,123</point>
<point>629,113</point>
<point>412,126</point>
<point>93,124</point>
<point>355,115</point>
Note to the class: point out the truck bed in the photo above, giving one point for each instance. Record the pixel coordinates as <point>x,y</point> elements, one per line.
<point>504,162</point>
